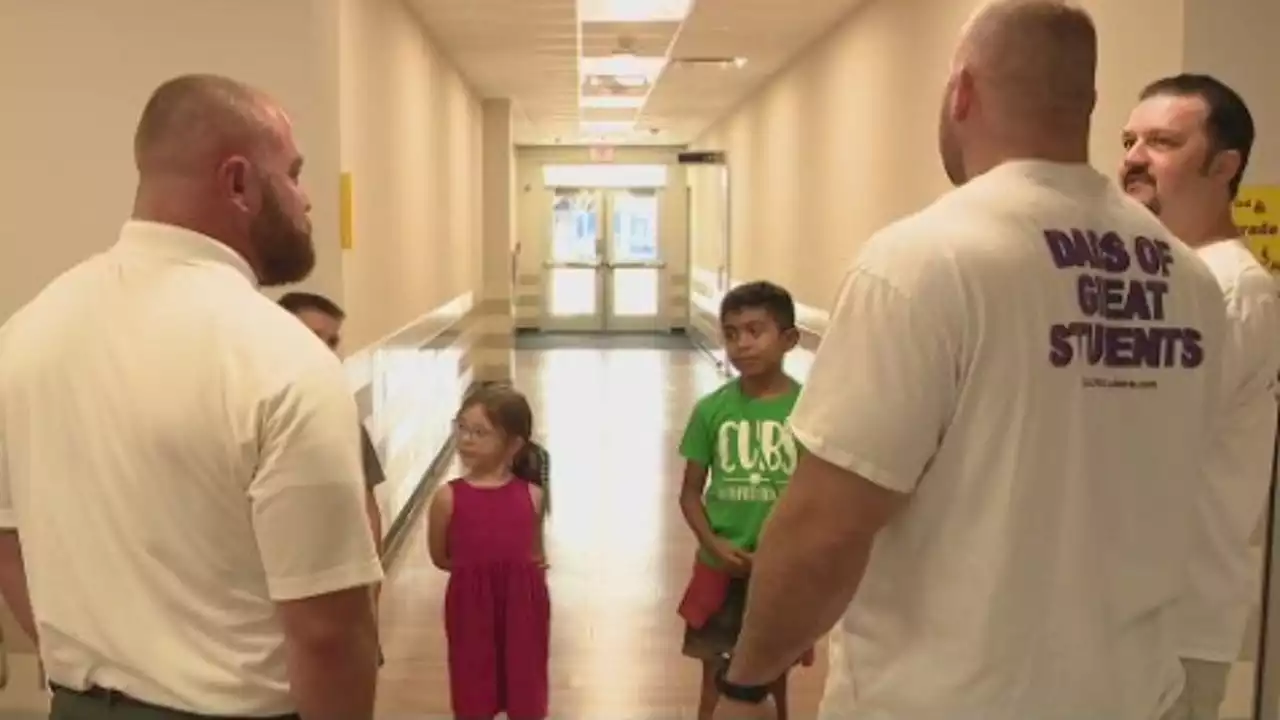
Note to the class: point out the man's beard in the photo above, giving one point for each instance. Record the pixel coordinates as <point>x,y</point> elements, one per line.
<point>1152,201</point>
<point>285,252</point>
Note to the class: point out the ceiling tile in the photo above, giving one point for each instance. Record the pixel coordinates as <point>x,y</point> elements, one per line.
<point>528,50</point>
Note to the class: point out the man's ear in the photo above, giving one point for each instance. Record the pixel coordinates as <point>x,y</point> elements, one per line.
<point>960,100</point>
<point>1225,165</point>
<point>233,179</point>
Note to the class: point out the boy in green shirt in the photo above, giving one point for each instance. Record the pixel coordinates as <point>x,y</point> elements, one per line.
<point>739,456</point>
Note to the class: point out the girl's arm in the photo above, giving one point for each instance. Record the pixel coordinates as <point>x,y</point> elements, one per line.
<point>539,497</point>
<point>438,516</point>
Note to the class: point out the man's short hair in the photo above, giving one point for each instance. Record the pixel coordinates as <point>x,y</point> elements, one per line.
<point>296,302</point>
<point>762,294</point>
<point>1229,124</point>
<point>191,111</point>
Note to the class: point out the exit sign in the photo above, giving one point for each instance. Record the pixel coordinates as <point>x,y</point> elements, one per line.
<point>602,153</point>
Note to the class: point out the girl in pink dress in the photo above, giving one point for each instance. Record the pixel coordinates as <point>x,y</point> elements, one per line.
<point>485,530</point>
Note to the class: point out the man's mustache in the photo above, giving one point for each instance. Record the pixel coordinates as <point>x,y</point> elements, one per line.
<point>1138,174</point>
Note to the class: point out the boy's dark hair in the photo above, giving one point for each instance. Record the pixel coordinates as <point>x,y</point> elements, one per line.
<point>1229,124</point>
<point>295,302</point>
<point>509,411</point>
<point>762,294</point>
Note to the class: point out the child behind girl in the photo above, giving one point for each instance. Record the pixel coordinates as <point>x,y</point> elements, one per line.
<point>485,530</point>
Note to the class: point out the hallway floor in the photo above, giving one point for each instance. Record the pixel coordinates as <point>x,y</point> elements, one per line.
<point>619,549</point>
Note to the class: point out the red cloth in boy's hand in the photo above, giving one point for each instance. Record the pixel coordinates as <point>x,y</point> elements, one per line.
<point>707,590</point>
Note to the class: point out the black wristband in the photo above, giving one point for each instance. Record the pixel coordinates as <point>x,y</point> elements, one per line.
<point>750,694</point>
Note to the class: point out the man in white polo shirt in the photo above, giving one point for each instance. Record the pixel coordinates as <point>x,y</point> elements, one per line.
<point>1001,426</point>
<point>179,459</point>
<point>1187,144</point>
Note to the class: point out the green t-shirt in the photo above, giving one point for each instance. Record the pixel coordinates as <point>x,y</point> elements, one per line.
<point>745,444</point>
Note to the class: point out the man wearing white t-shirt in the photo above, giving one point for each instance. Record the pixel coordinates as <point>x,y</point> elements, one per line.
<point>1001,426</point>
<point>1187,144</point>
<point>180,487</point>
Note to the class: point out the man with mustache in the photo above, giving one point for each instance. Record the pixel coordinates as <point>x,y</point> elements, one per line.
<point>1000,427</point>
<point>184,521</point>
<point>1187,144</point>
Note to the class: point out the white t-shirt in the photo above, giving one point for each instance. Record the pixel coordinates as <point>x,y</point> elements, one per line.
<point>1031,358</point>
<point>177,454</point>
<point>1225,571</point>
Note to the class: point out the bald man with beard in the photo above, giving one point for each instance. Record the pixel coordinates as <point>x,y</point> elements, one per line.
<point>181,498</point>
<point>1002,427</point>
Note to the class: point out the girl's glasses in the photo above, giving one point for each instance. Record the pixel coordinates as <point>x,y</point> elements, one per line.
<point>462,430</point>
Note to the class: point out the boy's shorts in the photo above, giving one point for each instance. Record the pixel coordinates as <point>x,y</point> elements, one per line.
<point>719,634</point>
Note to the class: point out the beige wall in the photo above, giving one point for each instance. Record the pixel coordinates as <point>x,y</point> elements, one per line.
<point>1239,47</point>
<point>410,137</point>
<point>411,141</point>
<point>533,227</point>
<point>75,75</point>
<point>844,140</point>
<point>367,92</point>
<point>495,327</point>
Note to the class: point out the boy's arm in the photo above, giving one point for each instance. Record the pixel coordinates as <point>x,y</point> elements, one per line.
<point>736,560</point>
<point>695,514</point>
<point>697,447</point>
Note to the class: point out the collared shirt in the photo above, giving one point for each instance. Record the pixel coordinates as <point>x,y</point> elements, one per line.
<point>177,454</point>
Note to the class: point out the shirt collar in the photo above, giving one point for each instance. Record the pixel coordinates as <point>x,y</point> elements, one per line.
<point>180,244</point>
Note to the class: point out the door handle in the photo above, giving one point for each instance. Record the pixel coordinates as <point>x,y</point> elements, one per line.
<point>638,265</point>
<point>576,265</point>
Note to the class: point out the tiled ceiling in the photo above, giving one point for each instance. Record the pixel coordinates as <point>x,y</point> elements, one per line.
<point>539,52</point>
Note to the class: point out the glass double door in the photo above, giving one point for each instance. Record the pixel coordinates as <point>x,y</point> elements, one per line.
<point>605,267</point>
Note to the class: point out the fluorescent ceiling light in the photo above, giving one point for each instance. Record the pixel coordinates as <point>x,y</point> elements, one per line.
<point>622,65</point>
<point>612,102</point>
<point>612,127</point>
<point>633,11</point>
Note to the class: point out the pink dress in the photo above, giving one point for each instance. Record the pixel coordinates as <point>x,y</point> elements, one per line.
<point>497,609</point>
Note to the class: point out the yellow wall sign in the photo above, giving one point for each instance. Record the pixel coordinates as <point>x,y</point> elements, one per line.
<point>345,226</point>
<point>1257,214</point>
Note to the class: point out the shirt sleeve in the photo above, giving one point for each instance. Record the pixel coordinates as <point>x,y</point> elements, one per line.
<point>698,445</point>
<point>881,389</point>
<point>1251,350</point>
<point>308,498</point>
